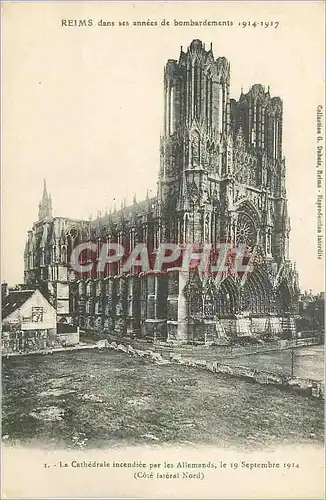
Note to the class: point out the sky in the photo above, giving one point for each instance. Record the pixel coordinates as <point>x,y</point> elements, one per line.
<point>83,106</point>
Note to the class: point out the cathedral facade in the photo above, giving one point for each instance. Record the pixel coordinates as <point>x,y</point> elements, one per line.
<point>221,179</point>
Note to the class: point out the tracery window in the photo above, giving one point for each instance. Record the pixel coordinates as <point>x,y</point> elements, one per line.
<point>245,230</point>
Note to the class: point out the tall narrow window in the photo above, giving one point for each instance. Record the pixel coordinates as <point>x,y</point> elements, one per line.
<point>196,88</point>
<point>171,107</point>
<point>192,92</point>
<point>192,239</point>
<point>268,242</point>
<point>212,231</point>
<point>210,101</point>
<point>42,257</point>
<point>223,108</point>
<point>185,228</point>
<point>189,94</point>
<point>200,90</point>
<point>167,110</point>
<point>258,125</point>
<point>220,109</point>
<point>254,127</point>
<point>275,137</point>
<point>181,97</point>
<point>207,101</point>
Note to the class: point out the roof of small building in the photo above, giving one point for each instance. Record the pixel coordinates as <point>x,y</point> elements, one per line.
<point>14,301</point>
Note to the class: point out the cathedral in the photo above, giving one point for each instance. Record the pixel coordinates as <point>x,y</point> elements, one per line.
<point>221,178</point>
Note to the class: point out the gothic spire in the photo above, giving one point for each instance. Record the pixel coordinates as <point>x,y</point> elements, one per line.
<point>45,205</point>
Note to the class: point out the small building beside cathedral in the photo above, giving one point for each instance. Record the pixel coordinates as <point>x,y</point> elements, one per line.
<point>29,322</point>
<point>222,178</point>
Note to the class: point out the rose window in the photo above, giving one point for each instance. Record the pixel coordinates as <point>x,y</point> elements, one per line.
<point>246,232</point>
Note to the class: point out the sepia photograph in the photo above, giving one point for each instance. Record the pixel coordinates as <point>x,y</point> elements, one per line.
<point>162,250</point>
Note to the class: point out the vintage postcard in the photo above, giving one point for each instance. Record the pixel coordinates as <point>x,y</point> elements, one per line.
<point>163,250</point>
